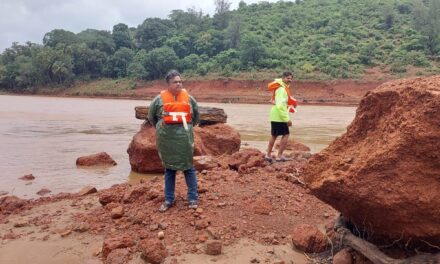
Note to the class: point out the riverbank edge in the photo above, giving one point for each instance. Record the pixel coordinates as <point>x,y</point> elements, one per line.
<point>331,92</point>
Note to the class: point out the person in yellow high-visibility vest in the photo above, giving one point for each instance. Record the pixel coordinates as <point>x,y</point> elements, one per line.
<point>279,114</point>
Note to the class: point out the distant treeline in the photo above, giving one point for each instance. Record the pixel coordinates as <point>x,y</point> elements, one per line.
<point>314,38</point>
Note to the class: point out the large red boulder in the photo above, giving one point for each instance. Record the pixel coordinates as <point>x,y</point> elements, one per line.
<point>383,174</point>
<point>211,140</point>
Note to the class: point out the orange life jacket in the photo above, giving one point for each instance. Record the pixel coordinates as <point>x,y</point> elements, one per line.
<point>176,110</point>
<point>291,101</point>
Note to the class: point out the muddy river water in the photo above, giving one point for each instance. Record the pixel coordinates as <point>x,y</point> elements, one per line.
<point>45,135</point>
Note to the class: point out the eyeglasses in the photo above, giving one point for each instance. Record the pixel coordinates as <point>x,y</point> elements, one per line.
<point>176,82</point>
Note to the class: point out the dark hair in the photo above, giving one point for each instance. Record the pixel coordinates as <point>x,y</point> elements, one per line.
<point>287,73</point>
<point>171,74</point>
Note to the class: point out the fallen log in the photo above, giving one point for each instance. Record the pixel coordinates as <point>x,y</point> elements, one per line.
<point>370,251</point>
<point>208,115</point>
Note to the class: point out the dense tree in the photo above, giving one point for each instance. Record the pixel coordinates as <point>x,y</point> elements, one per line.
<point>121,36</point>
<point>119,62</point>
<point>222,13</point>
<point>159,61</point>
<point>98,39</point>
<point>153,32</point>
<point>252,51</point>
<point>427,21</point>
<point>59,36</point>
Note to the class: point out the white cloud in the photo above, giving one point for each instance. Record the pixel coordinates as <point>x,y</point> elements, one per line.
<point>29,20</point>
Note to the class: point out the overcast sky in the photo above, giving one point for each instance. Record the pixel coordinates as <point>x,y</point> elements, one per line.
<point>29,20</point>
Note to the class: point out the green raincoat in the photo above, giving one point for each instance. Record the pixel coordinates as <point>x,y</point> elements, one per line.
<point>175,145</point>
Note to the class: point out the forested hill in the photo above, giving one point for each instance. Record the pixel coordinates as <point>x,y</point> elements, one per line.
<point>314,38</point>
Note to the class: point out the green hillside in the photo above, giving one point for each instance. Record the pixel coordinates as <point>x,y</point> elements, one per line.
<point>317,39</point>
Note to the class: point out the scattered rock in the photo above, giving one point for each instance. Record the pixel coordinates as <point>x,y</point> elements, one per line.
<point>98,159</point>
<point>204,163</point>
<point>114,242</point>
<point>118,256</point>
<point>309,239</point>
<point>9,204</point>
<point>87,190</point>
<point>21,223</point>
<point>213,247</point>
<point>201,224</point>
<point>134,193</point>
<point>117,212</point>
<point>81,227</point>
<point>152,251</point>
<point>110,195</point>
<point>65,233</point>
<point>163,225</point>
<point>44,191</point>
<point>28,177</point>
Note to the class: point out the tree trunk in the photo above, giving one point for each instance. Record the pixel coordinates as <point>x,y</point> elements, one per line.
<point>371,252</point>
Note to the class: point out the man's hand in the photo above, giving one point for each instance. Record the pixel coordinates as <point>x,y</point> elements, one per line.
<point>289,123</point>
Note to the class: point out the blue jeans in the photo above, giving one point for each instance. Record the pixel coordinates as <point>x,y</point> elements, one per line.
<point>170,184</point>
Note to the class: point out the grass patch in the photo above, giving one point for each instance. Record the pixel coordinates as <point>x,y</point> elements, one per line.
<point>104,87</point>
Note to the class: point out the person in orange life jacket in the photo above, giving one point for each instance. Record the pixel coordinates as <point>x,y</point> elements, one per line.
<point>174,113</point>
<point>279,114</point>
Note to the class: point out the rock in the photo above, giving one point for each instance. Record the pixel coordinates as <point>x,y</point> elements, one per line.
<point>114,242</point>
<point>152,251</point>
<point>163,225</point>
<point>134,193</point>
<point>211,140</point>
<point>202,163</point>
<point>28,177</point>
<point>3,193</point>
<point>117,212</point>
<point>87,190</point>
<point>98,159</point>
<point>65,233</point>
<point>216,140</point>
<point>9,204</point>
<point>21,223</point>
<point>343,257</point>
<point>309,239</point>
<point>118,256</point>
<point>81,227</point>
<point>44,191</point>
<point>246,158</point>
<point>213,247</point>
<point>110,196</point>
<point>161,235</point>
<point>383,173</point>
<point>201,224</point>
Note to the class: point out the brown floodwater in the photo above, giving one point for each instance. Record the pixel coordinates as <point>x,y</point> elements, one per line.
<point>45,135</point>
